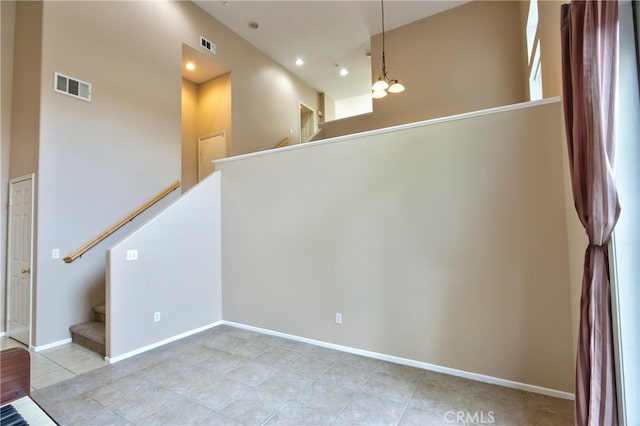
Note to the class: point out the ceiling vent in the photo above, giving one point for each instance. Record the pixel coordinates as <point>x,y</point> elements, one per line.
<point>72,87</point>
<point>206,44</point>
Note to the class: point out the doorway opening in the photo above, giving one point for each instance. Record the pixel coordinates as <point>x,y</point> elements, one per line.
<point>206,109</point>
<point>307,123</point>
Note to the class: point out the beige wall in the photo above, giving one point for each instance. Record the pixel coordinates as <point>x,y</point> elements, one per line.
<point>177,274</point>
<point>97,161</point>
<point>189,134</point>
<point>550,44</point>
<point>7,37</point>
<point>25,114</point>
<point>442,243</point>
<point>25,101</point>
<point>465,59</point>
<point>214,110</point>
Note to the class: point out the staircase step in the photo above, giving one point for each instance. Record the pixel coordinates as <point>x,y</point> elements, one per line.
<point>91,335</point>
<point>99,313</point>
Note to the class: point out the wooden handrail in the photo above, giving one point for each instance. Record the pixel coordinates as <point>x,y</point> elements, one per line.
<point>283,142</point>
<point>88,246</point>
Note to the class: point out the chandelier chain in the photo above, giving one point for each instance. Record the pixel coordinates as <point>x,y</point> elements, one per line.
<point>384,65</point>
<point>385,83</point>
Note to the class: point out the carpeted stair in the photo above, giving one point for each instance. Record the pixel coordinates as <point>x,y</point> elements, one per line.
<point>91,334</point>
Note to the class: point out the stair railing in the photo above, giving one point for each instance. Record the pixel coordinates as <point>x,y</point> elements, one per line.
<point>283,142</point>
<point>88,246</point>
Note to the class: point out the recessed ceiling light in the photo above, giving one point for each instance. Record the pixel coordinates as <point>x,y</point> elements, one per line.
<point>226,3</point>
<point>254,25</point>
<point>299,62</point>
<point>344,71</point>
<point>190,66</point>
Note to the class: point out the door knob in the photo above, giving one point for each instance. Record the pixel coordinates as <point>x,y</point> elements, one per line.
<point>26,271</point>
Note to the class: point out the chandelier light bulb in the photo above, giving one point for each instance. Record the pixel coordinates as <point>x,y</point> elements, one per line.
<point>396,87</point>
<point>380,85</point>
<point>377,94</point>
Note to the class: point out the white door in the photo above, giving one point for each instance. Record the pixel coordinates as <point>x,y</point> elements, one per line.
<point>307,123</point>
<point>19,262</point>
<point>212,147</point>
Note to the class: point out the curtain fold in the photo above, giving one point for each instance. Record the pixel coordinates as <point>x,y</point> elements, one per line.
<point>589,64</point>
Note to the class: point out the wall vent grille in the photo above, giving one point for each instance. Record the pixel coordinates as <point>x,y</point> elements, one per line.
<point>72,87</point>
<point>206,44</point>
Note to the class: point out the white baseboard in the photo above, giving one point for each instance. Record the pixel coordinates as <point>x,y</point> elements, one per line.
<point>3,333</point>
<point>113,360</point>
<point>413,363</point>
<point>50,345</point>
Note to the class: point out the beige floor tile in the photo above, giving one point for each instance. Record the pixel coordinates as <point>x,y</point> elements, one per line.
<point>352,376</point>
<point>133,398</point>
<point>253,408</point>
<point>326,396</point>
<point>84,366</point>
<point>75,358</point>
<point>7,342</point>
<point>217,419</point>
<point>277,357</point>
<point>417,417</point>
<point>309,365</point>
<point>367,409</point>
<point>248,349</point>
<point>41,365</point>
<point>251,373</point>
<point>215,394</point>
<point>179,412</point>
<point>435,399</point>
<point>301,415</point>
<point>294,345</point>
<point>395,388</point>
<point>286,385</point>
<point>50,378</point>
<point>229,376</point>
<point>83,411</point>
<point>503,412</point>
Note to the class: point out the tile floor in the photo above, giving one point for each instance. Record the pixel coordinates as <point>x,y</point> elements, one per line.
<point>233,376</point>
<point>57,364</point>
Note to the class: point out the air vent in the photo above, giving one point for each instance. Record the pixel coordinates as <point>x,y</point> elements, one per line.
<point>72,87</point>
<point>206,44</point>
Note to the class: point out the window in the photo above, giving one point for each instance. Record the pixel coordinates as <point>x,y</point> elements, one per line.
<point>533,53</point>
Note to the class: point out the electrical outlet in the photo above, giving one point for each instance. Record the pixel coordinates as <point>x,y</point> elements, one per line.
<point>55,253</point>
<point>132,254</point>
<point>338,318</point>
<point>156,316</point>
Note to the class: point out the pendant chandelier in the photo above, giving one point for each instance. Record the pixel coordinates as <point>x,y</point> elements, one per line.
<point>385,83</point>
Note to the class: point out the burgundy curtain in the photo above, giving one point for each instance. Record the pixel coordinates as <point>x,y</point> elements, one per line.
<point>589,50</point>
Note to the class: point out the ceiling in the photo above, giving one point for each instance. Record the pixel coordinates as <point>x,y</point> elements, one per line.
<point>327,35</point>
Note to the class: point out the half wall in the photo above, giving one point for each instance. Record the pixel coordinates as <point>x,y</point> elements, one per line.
<point>442,242</point>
